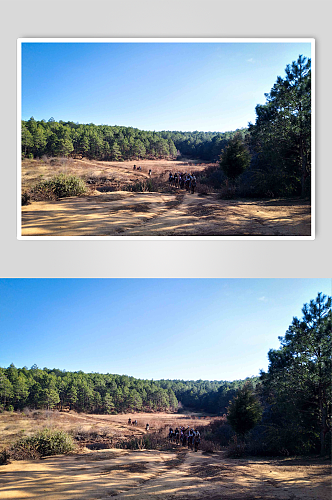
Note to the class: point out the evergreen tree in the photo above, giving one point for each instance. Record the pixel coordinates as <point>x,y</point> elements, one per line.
<point>6,389</point>
<point>235,158</point>
<point>299,376</point>
<point>244,411</point>
<point>27,140</point>
<point>115,152</point>
<point>281,136</point>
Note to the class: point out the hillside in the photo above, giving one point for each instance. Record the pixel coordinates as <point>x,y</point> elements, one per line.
<point>107,393</point>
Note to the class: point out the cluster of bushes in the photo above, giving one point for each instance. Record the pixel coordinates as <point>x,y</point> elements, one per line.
<point>60,186</point>
<point>44,443</point>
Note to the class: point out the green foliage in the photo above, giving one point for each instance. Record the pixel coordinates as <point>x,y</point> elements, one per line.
<point>79,391</point>
<point>235,158</point>
<point>244,411</point>
<point>44,443</point>
<point>60,186</point>
<point>297,385</point>
<point>110,394</point>
<point>115,143</point>
<point>281,137</point>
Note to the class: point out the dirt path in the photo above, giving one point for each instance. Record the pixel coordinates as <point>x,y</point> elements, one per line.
<point>160,214</point>
<point>151,474</point>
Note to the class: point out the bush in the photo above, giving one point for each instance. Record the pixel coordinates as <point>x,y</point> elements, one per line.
<point>25,198</point>
<point>216,435</point>
<point>157,440</point>
<point>45,443</point>
<point>4,457</point>
<point>139,187</point>
<point>236,449</point>
<point>212,176</point>
<point>59,186</point>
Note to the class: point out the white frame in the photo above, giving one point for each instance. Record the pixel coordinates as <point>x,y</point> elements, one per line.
<point>162,40</point>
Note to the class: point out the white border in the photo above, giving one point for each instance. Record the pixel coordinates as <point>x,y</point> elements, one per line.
<point>162,40</point>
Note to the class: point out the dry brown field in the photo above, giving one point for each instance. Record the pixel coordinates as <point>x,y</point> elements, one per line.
<point>109,209</point>
<point>173,474</point>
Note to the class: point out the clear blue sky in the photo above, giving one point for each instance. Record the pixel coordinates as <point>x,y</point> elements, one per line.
<point>152,86</point>
<point>215,329</point>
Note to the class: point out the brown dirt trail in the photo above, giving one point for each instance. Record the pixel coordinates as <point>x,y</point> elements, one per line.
<point>160,214</point>
<point>150,475</point>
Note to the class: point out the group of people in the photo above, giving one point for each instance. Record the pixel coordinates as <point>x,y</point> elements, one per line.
<point>179,180</point>
<point>134,422</point>
<point>183,181</point>
<point>185,436</point>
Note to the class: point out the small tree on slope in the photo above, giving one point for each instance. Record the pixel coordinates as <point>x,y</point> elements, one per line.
<point>235,158</point>
<point>244,411</point>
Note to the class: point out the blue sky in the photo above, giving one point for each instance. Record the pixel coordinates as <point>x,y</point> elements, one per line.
<point>152,86</point>
<point>215,329</point>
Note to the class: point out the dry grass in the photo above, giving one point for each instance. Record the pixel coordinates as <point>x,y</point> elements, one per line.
<point>112,176</point>
<point>86,428</point>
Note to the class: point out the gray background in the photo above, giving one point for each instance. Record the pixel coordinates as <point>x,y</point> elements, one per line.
<point>160,18</point>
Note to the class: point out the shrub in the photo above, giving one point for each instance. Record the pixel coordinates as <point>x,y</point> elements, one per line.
<point>4,457</point>
<point>139,187</point>
<point>153,185</point>
<point>236,449</point>
<point>209,446</point>
<point>157,440</point>
<point>212,176</point>
<point>25,198</point>
<point>59,186</point>
<point>43,443</point>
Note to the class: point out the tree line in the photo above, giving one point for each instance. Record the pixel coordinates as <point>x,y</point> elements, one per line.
<point>204,395</point>
<point>107,393</point>
<point>84,392</point>
<point>115,143</point>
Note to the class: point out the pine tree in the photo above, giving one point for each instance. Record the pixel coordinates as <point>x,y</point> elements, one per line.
<point>244,411</point>
<point>235,158</point>
<point>299,375</point>
<point>281,136</point>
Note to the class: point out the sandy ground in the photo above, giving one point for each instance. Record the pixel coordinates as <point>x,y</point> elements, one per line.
<point>160,214</point>
<point>150,474</point>
<point>177,474</point>
<point>177,213</point>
